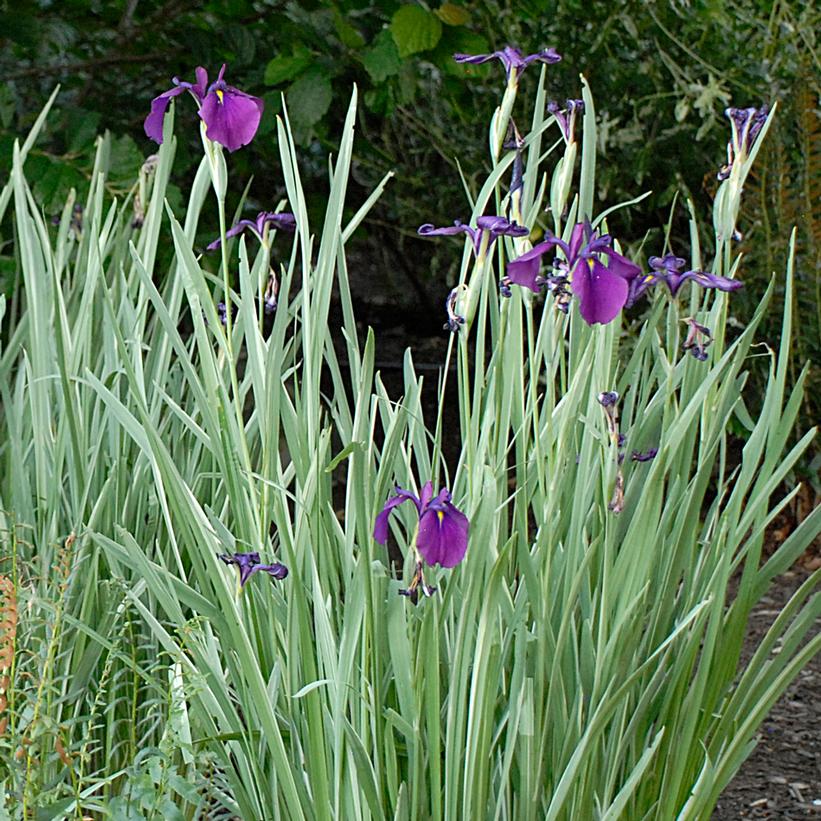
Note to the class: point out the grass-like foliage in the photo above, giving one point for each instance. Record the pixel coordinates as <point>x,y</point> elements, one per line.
<point>579,663</point>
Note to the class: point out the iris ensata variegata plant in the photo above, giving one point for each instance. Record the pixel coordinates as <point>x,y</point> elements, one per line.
<point>249,563</point>
<point>602,287</point>
<point>440,537</point>
<point>230,116</point>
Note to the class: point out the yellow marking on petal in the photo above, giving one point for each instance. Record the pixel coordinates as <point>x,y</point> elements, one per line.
<point>590,264</point>
<point>220,95</point>
<point>441,515</point>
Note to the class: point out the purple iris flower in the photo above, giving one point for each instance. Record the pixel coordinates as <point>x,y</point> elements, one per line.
<point>442,537</point>
<point>602,290</point>
<point>249,563</point>
<point>492,225</point>
<point>698,339</point>
<point>667,269</point>
<point>566,118</point>
<point>231,116</point>
<point>511,58</point>
<point>281,222</point>
<point>746,123</point>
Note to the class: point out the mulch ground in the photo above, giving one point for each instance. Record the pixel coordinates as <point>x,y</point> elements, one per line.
<point>782,777</point>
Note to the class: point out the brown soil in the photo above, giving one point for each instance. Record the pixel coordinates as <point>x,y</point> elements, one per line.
<point>782,777</point>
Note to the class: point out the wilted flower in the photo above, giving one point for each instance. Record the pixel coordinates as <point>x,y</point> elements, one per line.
<point>516,142</point>
<point>493,226</point>
<point>638,456</point>
<point>222,313</point>
<point>231,116</point>
<point>617,500</point>
<point>566,118</point>
<point>442,534</point>
<point>746,123</point>
<point>602,290</point>
<point>281,222</point>
<point>698,339</point>
<point>512,59</point>
<point>666,269</point>
<point>455,320</point>
<point>249,563</point>
<point>417,584</point>
<point>269,298</point>
<point>609,401</point>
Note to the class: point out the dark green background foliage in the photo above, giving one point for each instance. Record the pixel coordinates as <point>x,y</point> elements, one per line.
<point>661,72</point>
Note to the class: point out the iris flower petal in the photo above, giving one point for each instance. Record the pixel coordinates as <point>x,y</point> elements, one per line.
<point>524,269</point>
<point>231,116</point>
<point>380,529</point>
<point>601,293</point>
<point>443,536</point>
<point>159,105</point>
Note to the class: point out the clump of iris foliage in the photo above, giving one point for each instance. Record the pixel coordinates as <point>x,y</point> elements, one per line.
<point>200,472</point>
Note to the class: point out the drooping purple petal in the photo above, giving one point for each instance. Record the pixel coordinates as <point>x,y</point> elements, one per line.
<point>546,55</point>
<point>249,563</point>
<point>443,535</point>
<point>281,221</point>
<point>159,105</point>
<point>276,570</point>
<point>231,116</point>
<point>380,529</point>
<point>511,58</point>
<point>476,59</point>
<point>524,270</point>
<point>707,280</point>
<point>231,232</point>
<point>620,265</point>
<point>500,226</point>
<point>601,293</point>
<point>429,230</point>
